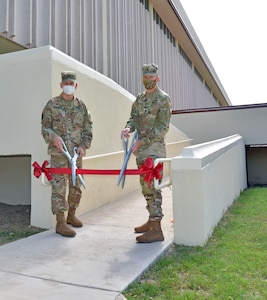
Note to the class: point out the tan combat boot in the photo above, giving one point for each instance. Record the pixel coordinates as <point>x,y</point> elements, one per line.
<point>71,219</point>
<point>62,227</point>
<point>143,228</point>
<point>154,234</point>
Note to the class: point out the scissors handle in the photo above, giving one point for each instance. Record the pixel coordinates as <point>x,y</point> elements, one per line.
<point>73,164</point>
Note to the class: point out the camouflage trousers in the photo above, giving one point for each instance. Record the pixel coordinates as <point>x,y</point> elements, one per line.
<point>152,195</point>
<point>60,183</point>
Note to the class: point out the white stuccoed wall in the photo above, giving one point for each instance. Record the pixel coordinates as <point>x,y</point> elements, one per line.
<point>28,79</point>
<point>206,179</point>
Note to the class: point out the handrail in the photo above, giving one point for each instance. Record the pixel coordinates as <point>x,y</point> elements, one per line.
<point>122,152</point>
<point>180,142</point>
<point>103,155</point>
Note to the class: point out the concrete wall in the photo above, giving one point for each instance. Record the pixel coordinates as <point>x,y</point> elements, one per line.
<point>28,79</point>
<point>207,178</point>
<point>202,126</point>
<point>249,121</point>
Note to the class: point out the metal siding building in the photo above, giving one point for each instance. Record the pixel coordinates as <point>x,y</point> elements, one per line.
<point>116,37</point>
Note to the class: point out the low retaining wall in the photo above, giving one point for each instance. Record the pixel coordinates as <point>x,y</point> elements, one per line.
<point>206,179</point>
<point>102,190</point>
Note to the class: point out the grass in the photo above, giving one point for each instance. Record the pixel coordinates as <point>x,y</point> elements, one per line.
<point>9,236</point>
<point>232,265</point>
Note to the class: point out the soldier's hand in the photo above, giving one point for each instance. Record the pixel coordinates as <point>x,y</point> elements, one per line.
<point>58,143</point>
<point>136,147</point>
<point>80,151</point>
<point>125,133</point>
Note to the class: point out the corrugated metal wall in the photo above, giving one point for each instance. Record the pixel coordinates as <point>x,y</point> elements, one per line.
<point>115,37</point>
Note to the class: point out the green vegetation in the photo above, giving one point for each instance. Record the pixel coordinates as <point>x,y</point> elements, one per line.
<point>8,236</point>
<point>232,265</point>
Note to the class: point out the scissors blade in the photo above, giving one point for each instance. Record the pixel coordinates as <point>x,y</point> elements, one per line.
<point>81,181</point>
<point>126,159</point>
<point>73,173</point>
<point>74,168</point>
<point>125,147</point>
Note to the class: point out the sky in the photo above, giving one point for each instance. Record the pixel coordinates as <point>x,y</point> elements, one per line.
<point>234,36</point>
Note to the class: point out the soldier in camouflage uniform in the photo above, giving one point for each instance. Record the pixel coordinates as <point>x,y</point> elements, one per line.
<point>150,116</point>
<point>66,118</point>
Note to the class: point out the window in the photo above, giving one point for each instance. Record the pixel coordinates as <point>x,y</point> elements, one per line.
<point>163,27</point>
<point>198,74</point>
<point>146,3</point>
<point>207,87</point>
<point>187,59</point>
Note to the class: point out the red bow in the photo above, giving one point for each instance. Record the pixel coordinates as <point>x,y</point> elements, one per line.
<point>38,170</point>
<point>150,172</point>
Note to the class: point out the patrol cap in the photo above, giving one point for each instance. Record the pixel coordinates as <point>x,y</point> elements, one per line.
<point>150,69</point>
<point>68,75</point>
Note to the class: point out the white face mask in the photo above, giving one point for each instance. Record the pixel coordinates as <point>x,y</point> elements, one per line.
<point>68,89</point>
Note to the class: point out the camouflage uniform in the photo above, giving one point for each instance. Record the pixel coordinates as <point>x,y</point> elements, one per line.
<point>71,121</point>
<point>150,116</point>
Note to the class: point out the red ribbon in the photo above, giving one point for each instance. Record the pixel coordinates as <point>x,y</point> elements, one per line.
<point>146,169</point>
<point>38,170</point>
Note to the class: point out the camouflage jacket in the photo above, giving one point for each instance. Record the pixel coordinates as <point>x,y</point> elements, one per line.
<point>69,120</point>
<point>150,116</point>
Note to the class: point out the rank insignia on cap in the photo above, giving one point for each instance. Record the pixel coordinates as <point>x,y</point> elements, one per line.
<point>150,69</point>
<point>68,75</point>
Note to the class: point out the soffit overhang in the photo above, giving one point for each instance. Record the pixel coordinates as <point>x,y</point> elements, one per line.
<point>175,18</point>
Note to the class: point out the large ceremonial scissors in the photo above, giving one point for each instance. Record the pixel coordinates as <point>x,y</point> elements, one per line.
<point>72,161</point>
<point>127,154</point>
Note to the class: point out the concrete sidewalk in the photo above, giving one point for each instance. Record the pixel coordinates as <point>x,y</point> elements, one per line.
<point>98,264</point>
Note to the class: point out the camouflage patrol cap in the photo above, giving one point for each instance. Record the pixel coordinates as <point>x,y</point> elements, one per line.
<point>68,75</point>
<point>150,69</point>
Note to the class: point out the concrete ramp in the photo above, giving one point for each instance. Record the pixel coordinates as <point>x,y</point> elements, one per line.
<point>98,264</point>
